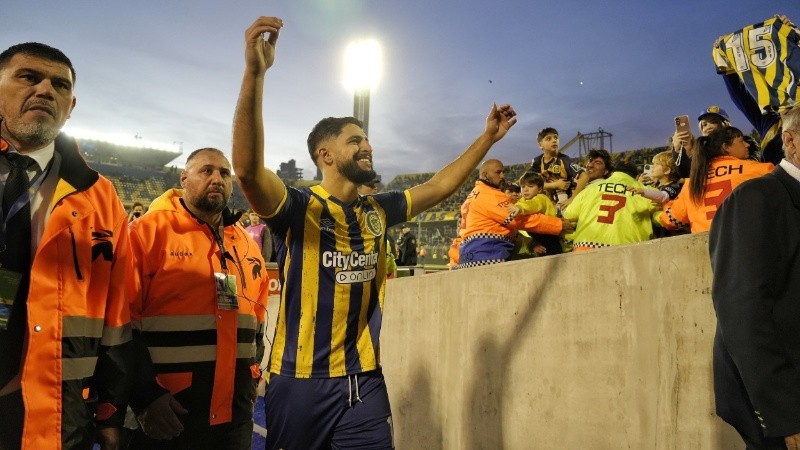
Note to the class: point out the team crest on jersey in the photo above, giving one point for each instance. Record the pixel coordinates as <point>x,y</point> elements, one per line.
<point>374,223</point>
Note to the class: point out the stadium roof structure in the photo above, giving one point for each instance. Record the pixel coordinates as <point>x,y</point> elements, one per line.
<point>122,155</point>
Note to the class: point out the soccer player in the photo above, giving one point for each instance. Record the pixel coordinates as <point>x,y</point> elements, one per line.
<point>326,388</point>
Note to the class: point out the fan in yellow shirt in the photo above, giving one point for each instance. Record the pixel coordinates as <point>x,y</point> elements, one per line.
<point>534,201</point>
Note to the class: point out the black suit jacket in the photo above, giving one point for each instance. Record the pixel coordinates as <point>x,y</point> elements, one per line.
<point>755,254</point>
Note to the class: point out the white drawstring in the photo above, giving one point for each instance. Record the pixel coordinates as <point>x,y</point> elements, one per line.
<point>350,390</point>
<point>358,396</point>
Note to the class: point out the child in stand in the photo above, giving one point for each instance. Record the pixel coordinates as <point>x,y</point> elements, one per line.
<point>523,243</point>
<point>662,185</point>
<point>563,179</point>
<point>512,190</point>
<point>535,201</point>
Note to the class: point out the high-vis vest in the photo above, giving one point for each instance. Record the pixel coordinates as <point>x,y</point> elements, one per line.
<point>78,326</point>
<point>206,356</point>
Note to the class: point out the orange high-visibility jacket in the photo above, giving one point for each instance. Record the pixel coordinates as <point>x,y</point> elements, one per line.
<point>725,174</point>
<point>207,357</point>
<point>486,214</point>
<point>78,327</point>
<point>489,227</point>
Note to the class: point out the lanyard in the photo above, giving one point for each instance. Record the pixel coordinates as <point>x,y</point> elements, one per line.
<point>24,199</point>
<point>219,236</point>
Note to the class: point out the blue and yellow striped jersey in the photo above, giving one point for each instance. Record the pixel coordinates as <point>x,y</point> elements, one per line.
<point>766,57</point>
<point>333,274</point>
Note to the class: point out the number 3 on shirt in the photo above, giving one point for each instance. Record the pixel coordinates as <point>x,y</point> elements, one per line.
<point>611,210</point>
<point>715,193</point>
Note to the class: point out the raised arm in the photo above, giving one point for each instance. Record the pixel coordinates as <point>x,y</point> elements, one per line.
<point>452,176</point>
<point>261,186</point>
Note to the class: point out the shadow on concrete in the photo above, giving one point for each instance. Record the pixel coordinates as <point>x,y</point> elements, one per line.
<point>423,424</point>
<point>485,408</point>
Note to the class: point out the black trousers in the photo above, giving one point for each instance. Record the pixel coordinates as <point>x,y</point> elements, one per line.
<point>12,411</point>
<point>228,436</point>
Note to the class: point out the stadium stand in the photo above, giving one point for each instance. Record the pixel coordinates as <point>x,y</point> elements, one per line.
<point>142,174</point>
<point>139,174</point>
<point>436,227</point>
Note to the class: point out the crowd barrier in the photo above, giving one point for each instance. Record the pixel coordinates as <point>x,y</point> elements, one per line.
<point>607,349</point>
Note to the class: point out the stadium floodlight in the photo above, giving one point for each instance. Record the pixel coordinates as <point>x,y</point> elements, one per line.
<point>124,140</point>
<point>363,64</point>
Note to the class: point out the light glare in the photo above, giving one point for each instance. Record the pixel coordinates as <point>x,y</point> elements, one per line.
<point>363,64</point>
<point>118,139</point>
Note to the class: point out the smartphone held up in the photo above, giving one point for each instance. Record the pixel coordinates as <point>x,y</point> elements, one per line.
<point>682,124</point>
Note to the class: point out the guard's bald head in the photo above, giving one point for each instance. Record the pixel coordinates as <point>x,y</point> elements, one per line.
<point>489,165</point>
<point>492,172</point>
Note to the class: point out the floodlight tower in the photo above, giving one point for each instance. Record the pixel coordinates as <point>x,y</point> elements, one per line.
<point>362,71</point>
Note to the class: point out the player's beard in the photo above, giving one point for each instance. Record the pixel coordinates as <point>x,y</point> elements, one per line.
<point>356,174</point>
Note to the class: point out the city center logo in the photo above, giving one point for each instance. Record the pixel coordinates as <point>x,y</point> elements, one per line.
<point>355,276</point>
<point>352,267</point>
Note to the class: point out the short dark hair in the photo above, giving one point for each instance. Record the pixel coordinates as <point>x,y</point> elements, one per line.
<point>511,186</point>
<point>38,50</point>
<point>544,132</point>
<point>626,167</point>
<point>327,128</point>
<point>532,179</point>
<point>604,155</point>
<point>204,149</point>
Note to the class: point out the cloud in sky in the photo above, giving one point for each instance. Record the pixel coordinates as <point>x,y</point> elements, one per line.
<point>171,71</point>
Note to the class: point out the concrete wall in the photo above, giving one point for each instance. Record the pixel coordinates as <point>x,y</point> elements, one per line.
<point>608,349</point>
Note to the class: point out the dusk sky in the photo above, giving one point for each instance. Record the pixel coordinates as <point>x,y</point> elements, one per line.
<point>170,71</point>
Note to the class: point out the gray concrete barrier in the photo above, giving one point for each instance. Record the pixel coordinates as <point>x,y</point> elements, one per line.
<point>608,349</point>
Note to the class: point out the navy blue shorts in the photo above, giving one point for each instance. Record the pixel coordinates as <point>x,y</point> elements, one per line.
<point>328,413</point>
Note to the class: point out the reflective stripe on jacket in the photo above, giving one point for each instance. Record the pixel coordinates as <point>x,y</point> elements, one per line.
<point>486,213</point>
<point>207,357</point>
<point>78,328</point>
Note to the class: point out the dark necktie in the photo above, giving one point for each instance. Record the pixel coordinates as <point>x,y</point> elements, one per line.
<point>16,257</point>
<point>17,182</point>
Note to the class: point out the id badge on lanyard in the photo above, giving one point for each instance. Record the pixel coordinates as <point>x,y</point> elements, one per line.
<point>9,280</point>
<point>227,294</point>
<point>9,284</point>
<point>227,297</point>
